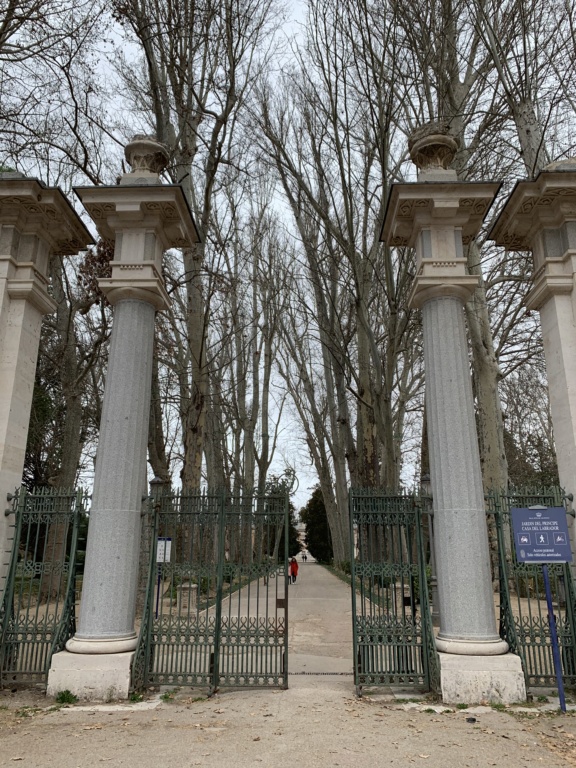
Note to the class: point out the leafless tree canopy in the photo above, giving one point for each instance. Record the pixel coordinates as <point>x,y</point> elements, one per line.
<point>289,341</point>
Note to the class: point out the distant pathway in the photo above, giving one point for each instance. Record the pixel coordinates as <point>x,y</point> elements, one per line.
<point>319,622</point>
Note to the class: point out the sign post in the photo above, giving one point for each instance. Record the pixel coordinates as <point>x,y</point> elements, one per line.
<point>541,537</point>
<point>163,551</point>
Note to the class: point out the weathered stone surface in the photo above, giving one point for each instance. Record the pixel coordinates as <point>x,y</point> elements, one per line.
<point>104,677</point>
<point>475,679</point>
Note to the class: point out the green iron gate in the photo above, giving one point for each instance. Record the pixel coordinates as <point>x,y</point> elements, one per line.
<point>523,610</point>
<point>37,613</point>
<point>216,611</point>
<point>392,625</point>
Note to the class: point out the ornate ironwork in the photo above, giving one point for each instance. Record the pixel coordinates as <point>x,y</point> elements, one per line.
<point>37,613</point>
<point>216,614</point>
<point>392,625</point>
<point>523,611</point>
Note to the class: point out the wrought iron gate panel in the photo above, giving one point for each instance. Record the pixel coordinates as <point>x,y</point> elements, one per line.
<point>392,630</point>
<point>216,614</point>
<point>37,614</point>
<point>523,610</point>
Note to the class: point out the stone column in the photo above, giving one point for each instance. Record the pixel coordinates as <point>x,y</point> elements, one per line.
<point>540,216</point>
<point>145,218</point>
<point>439,215</point>
<point>35,222</point>
<point>466,600</point>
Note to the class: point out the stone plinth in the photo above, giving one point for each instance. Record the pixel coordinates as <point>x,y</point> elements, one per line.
<point>35,222</point>
<point>99,677</point>
<point>476,679</point>
<point>540,216</point>
<point>144,218</point>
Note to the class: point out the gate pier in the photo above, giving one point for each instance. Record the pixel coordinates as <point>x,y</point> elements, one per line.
<point>144,218</point>
<point>36,221</point>
<point>439,215</point>
<point>540,216</point>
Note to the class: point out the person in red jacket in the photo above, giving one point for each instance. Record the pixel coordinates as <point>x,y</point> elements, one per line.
<point>293,570</point>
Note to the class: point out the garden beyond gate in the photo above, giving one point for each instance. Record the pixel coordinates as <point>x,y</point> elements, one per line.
<point>216,611</point>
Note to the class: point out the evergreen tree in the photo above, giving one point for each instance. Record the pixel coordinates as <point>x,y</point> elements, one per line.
<point>318,539</point>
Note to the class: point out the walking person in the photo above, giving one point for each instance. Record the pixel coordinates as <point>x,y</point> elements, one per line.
<point>293,571</point>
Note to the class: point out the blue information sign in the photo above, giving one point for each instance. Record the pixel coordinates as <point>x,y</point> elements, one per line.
<point>541,535</point>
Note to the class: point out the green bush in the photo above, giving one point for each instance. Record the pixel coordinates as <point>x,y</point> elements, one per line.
<point>66,697</point>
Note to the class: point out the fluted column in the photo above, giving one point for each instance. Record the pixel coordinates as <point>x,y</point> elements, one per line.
<point>439,215</point>
<point>145,218</point>
<point>111,570</point>
<point>467,617</point>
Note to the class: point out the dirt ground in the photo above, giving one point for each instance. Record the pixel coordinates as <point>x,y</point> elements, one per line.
<point>318,721</point>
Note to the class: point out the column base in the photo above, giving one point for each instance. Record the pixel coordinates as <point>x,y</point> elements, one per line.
<point>92,677</point>
<point>112,645</point>
<point>471,647</point>
<point>475,679</point>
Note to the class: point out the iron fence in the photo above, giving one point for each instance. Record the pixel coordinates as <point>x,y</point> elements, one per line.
<point>392,625</point>
<point>37,613</point>
<point>216,610</point>
<point>523,610</point>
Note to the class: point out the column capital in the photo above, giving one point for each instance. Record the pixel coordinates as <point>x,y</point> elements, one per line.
<point>35,220</point>
<point>140,281</point>
<point>427,287</point>
<point>144,220</point>
<point>34,209</point>
<point>438,218</point>
<point>161,209</point>
<point>412,207</point>
<point>546,202</point>
<point>540,216</point>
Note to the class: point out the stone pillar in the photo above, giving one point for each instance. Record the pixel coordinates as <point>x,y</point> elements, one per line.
<point>145,218</point>
<point>540,216</point>
<point>439,215</point>
<point>35,222</point>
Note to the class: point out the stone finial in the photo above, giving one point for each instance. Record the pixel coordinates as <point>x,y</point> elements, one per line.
<point>431,148</point>
<point>146,155</point>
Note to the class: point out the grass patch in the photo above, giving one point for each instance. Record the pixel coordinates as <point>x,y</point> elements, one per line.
<point>66,697</point>
<point>27,711</point>
<point>169,695</point>
<point>136,697</point>
<point>499,707</point>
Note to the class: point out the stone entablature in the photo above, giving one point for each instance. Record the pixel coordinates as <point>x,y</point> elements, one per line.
<point>32,208</point>
<point>540,216</point>
<point>438,218</point>
<point>35,221</point>
<point>144,221</point>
